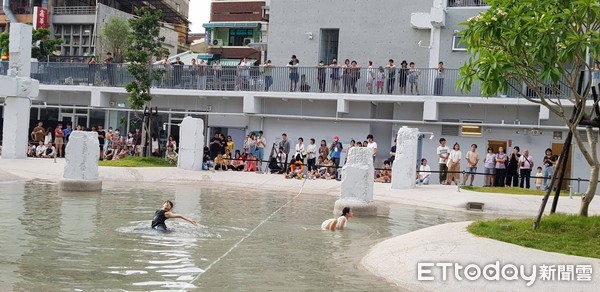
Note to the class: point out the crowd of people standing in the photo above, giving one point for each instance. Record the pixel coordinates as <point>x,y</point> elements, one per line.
<point>501,169</point>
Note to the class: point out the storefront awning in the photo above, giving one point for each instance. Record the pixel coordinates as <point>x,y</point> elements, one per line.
<point>231,24</point>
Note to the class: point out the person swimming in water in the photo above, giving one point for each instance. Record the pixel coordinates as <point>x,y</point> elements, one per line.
<point>160,216</point>
<point>339,223</point>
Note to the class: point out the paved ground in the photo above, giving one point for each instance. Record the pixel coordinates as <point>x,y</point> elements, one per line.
<point>395,259</point>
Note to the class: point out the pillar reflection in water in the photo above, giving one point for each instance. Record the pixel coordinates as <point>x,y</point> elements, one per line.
<point>15,241</point>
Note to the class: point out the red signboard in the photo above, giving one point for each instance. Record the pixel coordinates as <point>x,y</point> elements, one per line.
<point>40,17</point>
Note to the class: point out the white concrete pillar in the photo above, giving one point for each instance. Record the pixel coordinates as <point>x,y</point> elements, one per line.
<point>191,144</point>
<point>18,88</point>
<point>16,127</point>
<point>358,175</point>
<point>404,168</point>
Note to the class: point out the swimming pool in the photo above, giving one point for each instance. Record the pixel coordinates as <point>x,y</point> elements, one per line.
<point>79,242</point>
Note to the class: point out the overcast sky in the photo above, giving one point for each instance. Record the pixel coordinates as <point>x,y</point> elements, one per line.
<point>199,14</point>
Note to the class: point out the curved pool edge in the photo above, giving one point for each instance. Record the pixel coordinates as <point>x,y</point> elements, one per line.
<point>396,260</point>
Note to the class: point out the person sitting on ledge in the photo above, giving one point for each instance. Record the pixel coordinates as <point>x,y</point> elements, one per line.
<point>250,163</point>
<point>39,150</point>
<point>237,163</point>
<point>160,216</point>
<point>296,169</point>
<point>49,151</point>
<point>220,162</point>
<point>339,223</point>
<point>385,176</point>
<point>171,155</point>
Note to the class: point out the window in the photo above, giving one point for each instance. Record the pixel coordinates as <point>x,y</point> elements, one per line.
<point>457,45</point>
<point>448,129</point>
<point>471,130</point>
<point>329,42</point>
<point>237,36</point>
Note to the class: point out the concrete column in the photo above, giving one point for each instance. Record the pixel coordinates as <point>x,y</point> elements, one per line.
<point>403,170</point>
<point>191,144</point>
<point>18,88</point>
<point>16,127</point>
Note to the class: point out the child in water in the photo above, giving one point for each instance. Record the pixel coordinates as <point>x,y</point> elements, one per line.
<point>339,223</point>
<point>160,216</point>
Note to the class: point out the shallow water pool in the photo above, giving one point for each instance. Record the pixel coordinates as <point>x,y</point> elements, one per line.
<point>53,240</point>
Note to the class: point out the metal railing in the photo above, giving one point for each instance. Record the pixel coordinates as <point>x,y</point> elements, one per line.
<point>376,81</point>
<point>466,3</point>
<point>74,10</point>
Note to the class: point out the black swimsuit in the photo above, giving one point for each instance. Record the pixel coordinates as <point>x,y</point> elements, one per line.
<point>158,222</point>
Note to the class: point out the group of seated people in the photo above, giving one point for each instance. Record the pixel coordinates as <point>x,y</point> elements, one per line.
<point>41,150</point>
<point>223,161</point>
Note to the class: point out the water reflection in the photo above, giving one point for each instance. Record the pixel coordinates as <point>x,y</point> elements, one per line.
<point>103,240</point>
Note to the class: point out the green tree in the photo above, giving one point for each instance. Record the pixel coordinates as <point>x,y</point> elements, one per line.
<point>546,45</point>
<point>4,42</point>
<point>114,37</point>
<point>42,45</point>
<point>144,44</point>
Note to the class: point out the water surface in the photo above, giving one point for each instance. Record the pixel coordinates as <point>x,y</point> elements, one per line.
<point>102,241</point>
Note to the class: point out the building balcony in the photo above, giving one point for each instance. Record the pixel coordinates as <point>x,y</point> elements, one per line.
<point>326,81</point>
<point>74,10</point>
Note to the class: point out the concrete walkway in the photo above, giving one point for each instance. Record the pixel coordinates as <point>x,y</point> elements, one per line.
<point>431,196</point>
<point>396,260</point>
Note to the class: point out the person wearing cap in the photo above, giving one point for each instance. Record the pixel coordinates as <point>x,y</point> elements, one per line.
<point>512,174</point>
<point>335,150</point>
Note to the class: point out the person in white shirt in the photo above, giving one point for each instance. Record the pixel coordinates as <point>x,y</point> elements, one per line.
<point>454,165</point>
<point>373,145</point>
<point>312,150</point>
<point>472,160</point>
<point>300,151</point>
<point>442,152</point>
<point>525,166</point>
<point>424,173</point>
<point>49,151</point>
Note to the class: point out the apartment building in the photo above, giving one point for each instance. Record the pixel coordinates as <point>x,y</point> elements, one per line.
<point>79,23</point>
<point>235,28</point>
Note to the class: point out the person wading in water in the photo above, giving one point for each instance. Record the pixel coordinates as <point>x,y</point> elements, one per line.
<point>160,216</point>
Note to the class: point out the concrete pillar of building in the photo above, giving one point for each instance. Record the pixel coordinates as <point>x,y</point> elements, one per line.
<point>404,168</point>
<point>191,144</point>
<point>18,88</point>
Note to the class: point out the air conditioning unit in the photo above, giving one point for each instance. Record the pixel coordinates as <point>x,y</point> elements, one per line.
<point>217,42</point>
<point>248,41</point>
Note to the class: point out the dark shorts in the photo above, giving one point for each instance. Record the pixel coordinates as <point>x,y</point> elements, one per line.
<point>471,170</point>
<point>294,77</point>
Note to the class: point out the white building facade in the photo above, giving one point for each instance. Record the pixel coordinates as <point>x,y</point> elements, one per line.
<point>367,30</point>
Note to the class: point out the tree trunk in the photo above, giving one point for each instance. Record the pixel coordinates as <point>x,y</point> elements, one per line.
<point>587,198</point>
